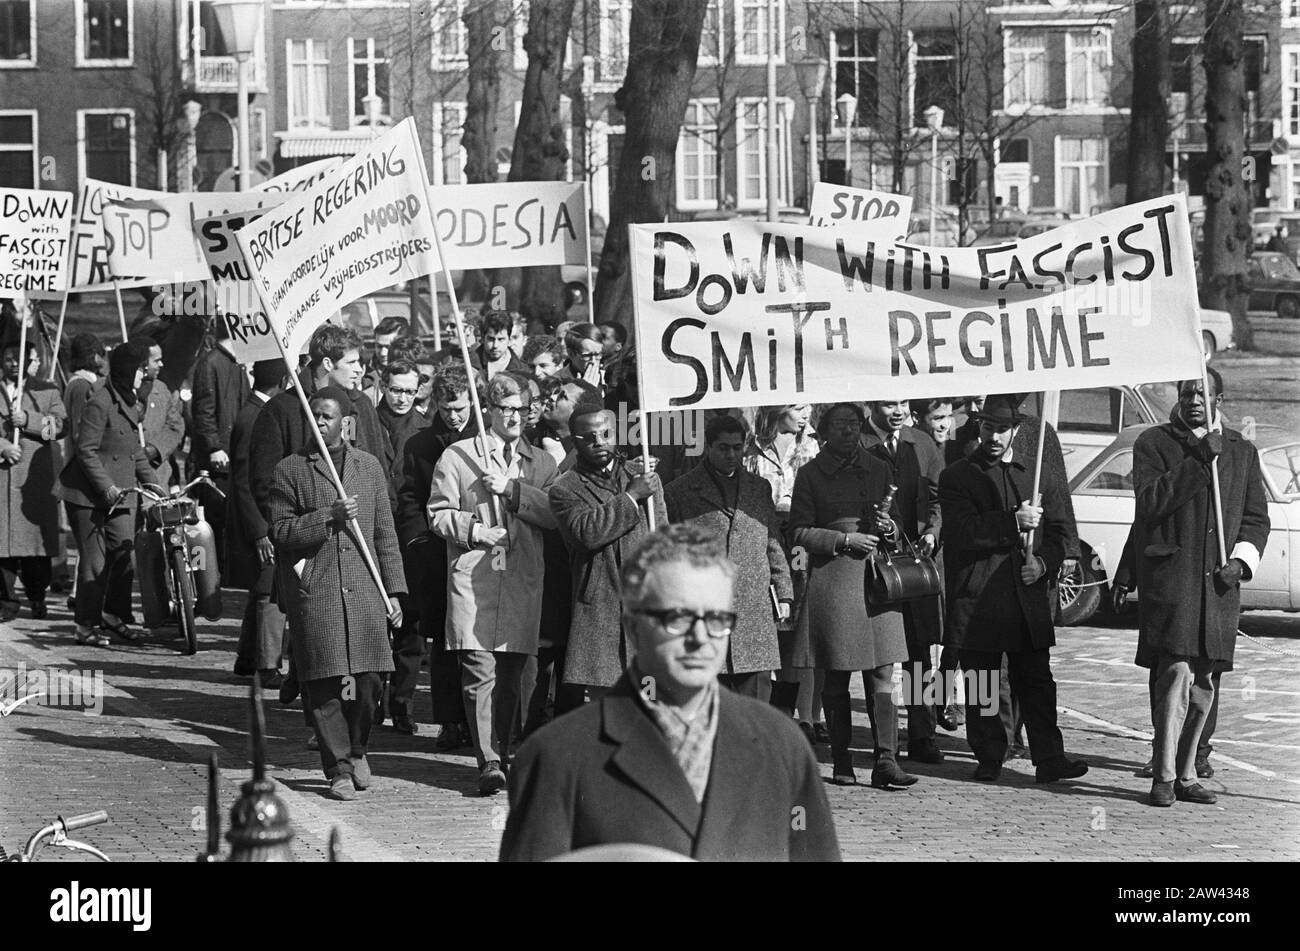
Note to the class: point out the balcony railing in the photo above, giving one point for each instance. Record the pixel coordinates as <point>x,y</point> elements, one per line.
<point>221,74</point>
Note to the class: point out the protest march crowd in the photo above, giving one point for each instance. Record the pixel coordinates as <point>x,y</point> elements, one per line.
<point>509,571</point>
<point>670,615</point>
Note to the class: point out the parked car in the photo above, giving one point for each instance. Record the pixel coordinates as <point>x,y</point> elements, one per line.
<point>1004,229</point>
<point>1033,226</point>
<point>1263,224</point>
<point>1274,284</point>
<point>366,314</point>
<point>1104,510</point>
<point>1216,332</point>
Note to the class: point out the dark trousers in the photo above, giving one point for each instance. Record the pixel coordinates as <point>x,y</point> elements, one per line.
<point>343,709</point>
<point>921,717</point>
<point>1009,712</point>
<point>1029,676</point>
<point>444,682</point>
<point>262,634</point>
<point>757,685</point>
<point>35,571</point>
<point>104,541</point>
<point>408,652</point>
<point>551,696</point>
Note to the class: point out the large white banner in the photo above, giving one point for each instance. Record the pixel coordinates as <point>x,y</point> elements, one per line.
<point>156,237</point>
<point>90,270</point>
<point>237,303</point>
<point>738,313</point>
<point>34,230</point>
<point>300,178</point>
<point>840,206</point>
<point>363,228</point>
<point>510,224</point>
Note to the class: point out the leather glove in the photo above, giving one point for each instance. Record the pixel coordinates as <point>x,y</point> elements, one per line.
<point>1232,573</point>
<point>1210,446</point>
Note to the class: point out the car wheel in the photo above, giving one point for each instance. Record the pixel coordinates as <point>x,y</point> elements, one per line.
<point>1288,307</point>
<point>1078,594</point>
<point>575,293</point>
<point>1207,343</point>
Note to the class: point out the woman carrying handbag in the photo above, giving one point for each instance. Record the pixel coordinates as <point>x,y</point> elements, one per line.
<point>837,630</point>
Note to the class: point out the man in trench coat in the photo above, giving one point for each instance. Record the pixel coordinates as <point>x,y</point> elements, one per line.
<point>29,463</point>
<point>720,496</point>
<point>1188,605</point>
<point>336,613</point>
<point>999,597</point>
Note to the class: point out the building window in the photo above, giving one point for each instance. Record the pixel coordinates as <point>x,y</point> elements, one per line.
<point>450,37</point>
<point>712,36</point>
<point>369,77</point>
<point>697,156</point>
<point>1291,90</point>
<point>309,88</point>
<point>1087,78</point>
<point>934,59</point>
<point>17,33</point>
<point>752,31</point>
<point>1080,174</point>
<point>1026,68</point>
<point>855,64</point>
<point>1013,150</point>
<point>104,32</point>
<point>448,156</point>
<point>615,25</point>
<point>108,146</point>
<point>751,151</point>
<point>17,149</point>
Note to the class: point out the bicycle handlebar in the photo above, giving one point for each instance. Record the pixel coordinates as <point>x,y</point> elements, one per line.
<point>84,820</point>
<point>145,492</point>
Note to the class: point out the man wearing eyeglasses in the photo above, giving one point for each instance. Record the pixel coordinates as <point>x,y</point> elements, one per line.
<point>489,504</point>
<point>666,759</point>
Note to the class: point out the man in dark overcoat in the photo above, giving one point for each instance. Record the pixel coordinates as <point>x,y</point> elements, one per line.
<point>999,597</point>
<point>250,556</point>
<point>668,760</point>
<point>221,386</point>
<point>720,496</point>
<point>598,505</point>
<point>337,617</point>
<point>1188,604</point>
<point>914,461</point>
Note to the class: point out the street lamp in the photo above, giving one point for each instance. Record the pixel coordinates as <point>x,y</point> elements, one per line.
<point>934,120</point>
<point>811,75</point>
<point>846,107</point>
<point>240,22</point>
<point>587,89</point>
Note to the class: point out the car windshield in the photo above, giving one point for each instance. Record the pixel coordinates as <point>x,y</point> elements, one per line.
<point>1161,397</point>
<point>1279,268</point>
<point>1283,466</point>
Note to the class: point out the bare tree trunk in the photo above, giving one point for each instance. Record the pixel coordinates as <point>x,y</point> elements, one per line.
<point>485,28</point>
<point>664,43</point>
<point>1149,119</point>
<point>539,151</point>
<point>1227,201</point>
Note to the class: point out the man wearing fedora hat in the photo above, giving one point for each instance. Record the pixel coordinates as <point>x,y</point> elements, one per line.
<point>999,600</point>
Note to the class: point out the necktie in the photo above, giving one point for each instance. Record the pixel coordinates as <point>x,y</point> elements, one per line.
<point>506,452</point>
<point>892,445</point>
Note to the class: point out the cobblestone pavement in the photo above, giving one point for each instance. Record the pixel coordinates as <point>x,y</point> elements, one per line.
<point>143,760</point>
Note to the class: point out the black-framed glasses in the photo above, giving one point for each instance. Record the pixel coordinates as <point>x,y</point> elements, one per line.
<point>402,391</point>
<point>512,410</point>
<point>677,621</point>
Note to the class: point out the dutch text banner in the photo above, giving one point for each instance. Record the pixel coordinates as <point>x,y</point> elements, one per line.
<point>365,227</point>
<point>34,231</point>
<point>90,270</point>
<point>300,178</point>
<point>512,224</point>
<point>237,304</point>
<point>749,313</point>
<point>840,205</point>
<point>155,237</point>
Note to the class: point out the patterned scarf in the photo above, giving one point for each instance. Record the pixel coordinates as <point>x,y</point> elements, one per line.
<point>690,741</point>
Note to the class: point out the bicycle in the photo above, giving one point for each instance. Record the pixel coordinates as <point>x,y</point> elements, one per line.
<point>56,833</point>
<point>175,550</point>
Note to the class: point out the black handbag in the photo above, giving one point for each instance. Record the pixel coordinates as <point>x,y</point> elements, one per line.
<point>901,576</point>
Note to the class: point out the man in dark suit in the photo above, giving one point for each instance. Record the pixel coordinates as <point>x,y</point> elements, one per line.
<point>250,556</point>
<point>914,462</point>
<point>999,597</point>
<point>667,759</point>
<point>424,556</point>
<point>1188,602</point>
<point>221,387</point>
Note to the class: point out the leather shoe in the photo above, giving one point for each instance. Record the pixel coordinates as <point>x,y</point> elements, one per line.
<point>1203,769</point>
<point>927,751</point>
<point>951,717</point>
<point>342,788</point>
<point>842,772</point>
<point>1162,794</point>
<point>1194,793</point>
<point>404,724</point>
<point>361,778</point>
<point>289,690</point>
<point>1060,768</point>
<point>807,729</point>
<point>451,738</point>
<point>987,772</point>
<point>822,734</point>
<point>271,679</point>
<point>888,773</point>
<point>491,779</point>
<point>40,611</point>
<point>312,742</point>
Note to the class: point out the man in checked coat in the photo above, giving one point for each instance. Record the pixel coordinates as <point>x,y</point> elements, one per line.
<point>336,613</point>
<point>721,496</point>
